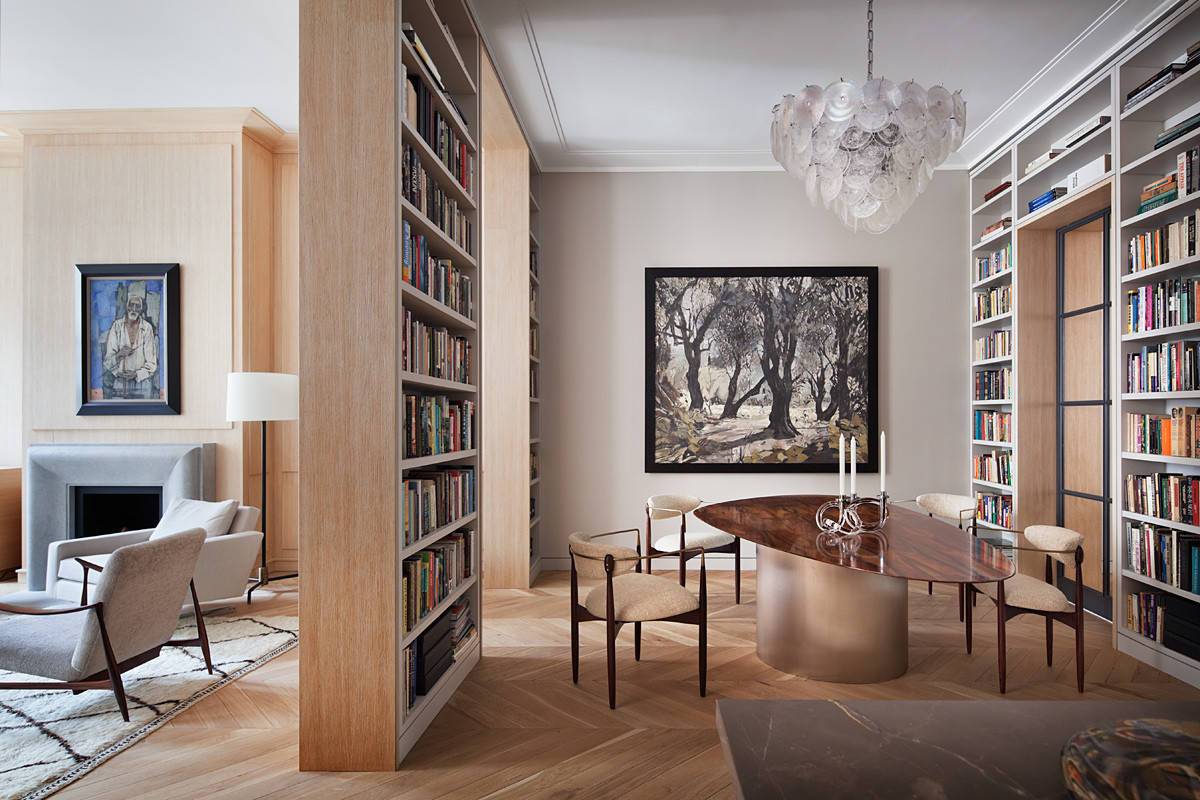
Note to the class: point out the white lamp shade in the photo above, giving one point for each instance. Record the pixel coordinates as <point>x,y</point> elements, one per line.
<point>262,396</point>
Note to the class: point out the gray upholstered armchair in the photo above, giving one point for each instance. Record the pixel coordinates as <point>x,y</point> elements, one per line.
<point>133,612</point>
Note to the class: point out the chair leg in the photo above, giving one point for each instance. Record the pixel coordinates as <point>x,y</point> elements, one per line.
<point>637,641</point>
<point>737,571</point>
<point>201,632</point>
<point>114,671</point>
<point>1049,642</point>
<point>1079,652</point>
<point>931,588</point>
<point>574,647</point>
<point>682,547</point>
<point>1000,633</point>
<point>612,662</point>
<point>967,613</point>
<point>962,595</point>
<point>703,655</point>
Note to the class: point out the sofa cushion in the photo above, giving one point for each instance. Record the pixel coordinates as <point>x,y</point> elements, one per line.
<point>42,646</point>
<point>70,570</point>
<point>184,514</point>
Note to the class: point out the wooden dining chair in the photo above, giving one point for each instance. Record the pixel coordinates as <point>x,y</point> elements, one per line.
<point>956,508</point>
<point>629,595</point>
<point>667,506</point>
<point>1025,594</point>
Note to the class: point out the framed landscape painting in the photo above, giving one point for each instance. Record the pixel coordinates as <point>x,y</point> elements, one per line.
<point>128,318</point>
<point>760,369</point>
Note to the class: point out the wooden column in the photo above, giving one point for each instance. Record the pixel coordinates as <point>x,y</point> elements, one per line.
<point>348,385</point>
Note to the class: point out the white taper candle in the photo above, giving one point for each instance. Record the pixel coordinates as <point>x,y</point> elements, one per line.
<point>841,465</point>
<point>882,462</point>
<point>853,466</point>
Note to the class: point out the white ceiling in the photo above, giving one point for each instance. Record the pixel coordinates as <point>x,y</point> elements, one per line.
<point>612,84</point>
<point>684,84</point>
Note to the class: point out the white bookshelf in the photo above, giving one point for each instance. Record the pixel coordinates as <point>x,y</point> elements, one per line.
<point>451,39</point>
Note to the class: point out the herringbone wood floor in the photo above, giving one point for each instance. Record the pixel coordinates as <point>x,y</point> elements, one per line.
<point>518,728</point>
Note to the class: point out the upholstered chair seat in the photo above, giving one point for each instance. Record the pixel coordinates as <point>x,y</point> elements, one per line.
<point>692,540</point>
<point>638,597</point>
<point>1026,591</point>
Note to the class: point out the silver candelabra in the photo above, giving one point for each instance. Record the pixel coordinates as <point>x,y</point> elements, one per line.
<point>842,528</point>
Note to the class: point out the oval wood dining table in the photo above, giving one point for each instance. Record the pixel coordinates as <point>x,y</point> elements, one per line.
<point>845,618</point>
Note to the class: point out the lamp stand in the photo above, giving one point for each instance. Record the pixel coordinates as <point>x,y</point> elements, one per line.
<point>264,574</point>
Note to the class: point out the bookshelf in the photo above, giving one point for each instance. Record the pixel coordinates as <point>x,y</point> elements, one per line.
<point>1127,138</point>
<point>441,291</point>
<point>535,367</point>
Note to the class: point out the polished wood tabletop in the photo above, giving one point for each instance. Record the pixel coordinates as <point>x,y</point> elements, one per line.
<point>918,546</point>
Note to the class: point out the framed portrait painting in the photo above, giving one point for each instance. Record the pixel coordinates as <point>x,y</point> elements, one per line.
<point>128,326</point>
<point>760,369</point>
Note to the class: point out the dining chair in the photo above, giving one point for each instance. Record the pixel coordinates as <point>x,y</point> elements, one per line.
<point>629,595</point>
<point>666,506</point>
<point>1025,594</point>
<point>959,509</point>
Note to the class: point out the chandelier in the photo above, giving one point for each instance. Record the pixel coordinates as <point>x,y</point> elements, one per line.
<point>866,153</point>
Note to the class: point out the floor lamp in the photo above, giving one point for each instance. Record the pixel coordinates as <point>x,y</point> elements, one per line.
<point>263,397</point>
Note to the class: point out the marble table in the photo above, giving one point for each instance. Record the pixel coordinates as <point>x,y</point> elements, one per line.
<point>845,619</point>
<point>865,749</point>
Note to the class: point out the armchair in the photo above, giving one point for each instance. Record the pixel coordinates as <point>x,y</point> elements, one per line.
<point>629,595</point>
<point>134,612</point>
<point>225,561</point>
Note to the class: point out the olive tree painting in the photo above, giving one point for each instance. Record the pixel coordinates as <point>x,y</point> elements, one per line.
<point>760,368</point>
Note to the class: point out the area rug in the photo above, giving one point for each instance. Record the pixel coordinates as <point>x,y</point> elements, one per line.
<point>49,739</point>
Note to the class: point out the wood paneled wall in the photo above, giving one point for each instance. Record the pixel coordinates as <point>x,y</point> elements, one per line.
<point>11,177</point>
<point>284,479</point>
<point>349,393</point>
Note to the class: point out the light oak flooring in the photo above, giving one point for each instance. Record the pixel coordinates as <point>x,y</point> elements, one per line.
<point>518,728</point>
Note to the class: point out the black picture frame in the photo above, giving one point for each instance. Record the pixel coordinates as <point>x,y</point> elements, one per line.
<point>653,274</point>
<point>168,333</point>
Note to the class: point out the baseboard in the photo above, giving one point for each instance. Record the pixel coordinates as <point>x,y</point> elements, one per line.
<point>717,561</point>
<point>282,565</point>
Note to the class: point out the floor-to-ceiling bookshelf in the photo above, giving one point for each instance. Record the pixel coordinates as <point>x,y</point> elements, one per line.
<point>441,287</point>
<point>535,366</point>
<point>1127,137</point>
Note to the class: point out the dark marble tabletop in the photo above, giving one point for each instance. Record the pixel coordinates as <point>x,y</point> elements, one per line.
<point>889,749</point>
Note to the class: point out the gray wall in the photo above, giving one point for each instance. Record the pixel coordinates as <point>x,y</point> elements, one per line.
<point>600,230</point>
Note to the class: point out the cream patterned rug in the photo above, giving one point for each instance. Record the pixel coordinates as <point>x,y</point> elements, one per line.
<point>49,739</point>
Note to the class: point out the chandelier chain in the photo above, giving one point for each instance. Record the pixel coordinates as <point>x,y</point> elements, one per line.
<point>870,38</point>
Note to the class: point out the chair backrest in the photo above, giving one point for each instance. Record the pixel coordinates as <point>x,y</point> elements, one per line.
<point>956,507</point>
<point>245,519</point>
<point>590,563</point>
<point>666,506</point>
<point>1052,537</point>
<point>142,588</point>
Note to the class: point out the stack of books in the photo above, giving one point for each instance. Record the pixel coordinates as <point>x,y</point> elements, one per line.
<point>995,226</point>
<point>1164,555</point>
<point>462,625</point>
<point>434,498</point>
<point>993,302</point>
<point>1158,192</point>
<point>992,426</point>
<point>1144,613</point>
<point>993,192</point>
<point>1163,495</point>
<point>1171,242</point>
<point>994,508</point>
<point>1173,434</point>
<point>993,384</point>
<point>1162,305</point>
<point>994,263</point>
<point>1167,367</point>
<point>1046,198</point>
<point>1053,152</point>
<point>1177,130</point>
<point>434,351</point>
<point>1082,131</point>
<point>994,467</point>
<point>1163,77</point>
<point>994,345</point>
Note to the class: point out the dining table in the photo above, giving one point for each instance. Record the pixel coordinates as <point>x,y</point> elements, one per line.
<point>830,615</point>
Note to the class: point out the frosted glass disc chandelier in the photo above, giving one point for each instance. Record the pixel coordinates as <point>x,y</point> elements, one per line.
<point>866,153</point>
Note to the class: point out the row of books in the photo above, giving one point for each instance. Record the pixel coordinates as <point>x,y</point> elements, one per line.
<point>1176,128</point>
<point>993,345</point>
<point>437,132</point>
<point>993,302</point>
<point>533,261</point>
<point>436,277</point>
<point>435,425</point>
<point>994,263</point>
<point>432,574</point>
<point>998,225</point>
<point>992,426</point>
<point>1167,367</point>
<point>533,381</point>
<point>1164,495</point>
<point>1158,192</point>
<point>533,301</point>
<point>994,508</point>
<point>533,464</point>
<point>420,189</point>
<point>1161,305</point>
<point>993,384</point>
<point>994,467</point>
<point>434,498</point>
<point>1163,554</point>
<point>534,349</point>
<point>1173,621</point>
<point>1161,78</point>
<point>426,59</point>
<point>1173,434</point>
<point>1187,169</point>
<point>434,351</point>
<point>1171,242</point>
<point>1144,613</point>
<point>1047,197</point>
<point>462,625</point>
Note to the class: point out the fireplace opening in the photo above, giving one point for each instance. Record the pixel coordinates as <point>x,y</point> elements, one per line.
<point>112,509</point>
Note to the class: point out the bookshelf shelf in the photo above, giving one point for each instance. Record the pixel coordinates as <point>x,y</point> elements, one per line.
<point>1155,273</point>
<point>1155,654</point>
<point>437,534</point>
<point>1003,488</point>
<point>533,278</point>
<point>430,382</point>
<point>535,441</point>
<point>992,321</point>
<point>995,201</point>
<point>533,319</point>
<point>1071,206</point>
<point>534,359</point>
<point>441,243</point>
<point>992,402</point>
<point>534,481</point>
<point>1159,333</point>
<point>414,64</point>
<point>448,682</point>
<point>427,309</point>
<point>1179,526</point>
<point>1161,161</point>
<point>533,523</point>
<point>436,611</point>
<point>442,49</point>
<point>533,203</point>
<point>986,443</point>
<point>1194,395</point>
<point>534,240</point>
<point>1144,220</point>
<point>1065,157</point>
<point>1161,459</point>
<point>992,239</point>
<point>999,277</point>
<point>986,362</point>
<point>1160,585</point>
<point>1166,102</point>
<point>431,162</point>
<point>442,458</point>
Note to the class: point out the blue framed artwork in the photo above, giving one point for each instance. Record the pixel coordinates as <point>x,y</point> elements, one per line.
<point>128,339</point>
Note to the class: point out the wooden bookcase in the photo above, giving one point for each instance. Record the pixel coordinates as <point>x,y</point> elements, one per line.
<point>536,478</point>
<point>358,222</point>
<point>1128,138</point>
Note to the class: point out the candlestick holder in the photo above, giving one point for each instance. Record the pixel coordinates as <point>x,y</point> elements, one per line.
<point>842,528</point>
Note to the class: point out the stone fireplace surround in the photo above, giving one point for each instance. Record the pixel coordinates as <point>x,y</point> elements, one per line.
<point>52,470</point>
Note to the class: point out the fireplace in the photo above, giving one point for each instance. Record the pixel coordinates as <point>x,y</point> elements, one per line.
<point>112,509</point>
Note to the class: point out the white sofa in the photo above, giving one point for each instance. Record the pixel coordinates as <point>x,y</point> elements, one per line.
<point>226,560</point>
